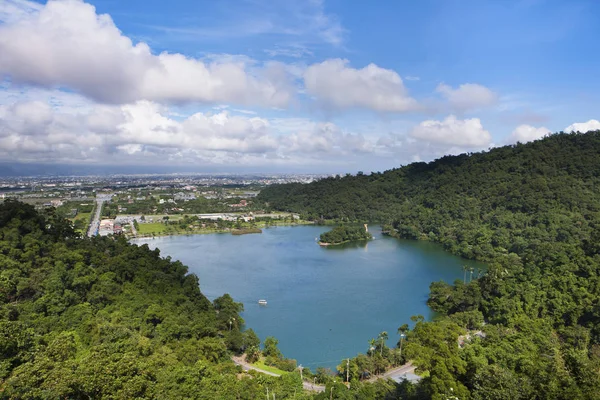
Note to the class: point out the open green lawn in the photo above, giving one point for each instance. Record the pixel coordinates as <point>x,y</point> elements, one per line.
<point>82,216</point>
<point>152,227</point>
<point>261,364</point>
<point>81,221</point>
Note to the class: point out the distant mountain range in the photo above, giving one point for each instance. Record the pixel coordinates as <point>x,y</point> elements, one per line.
<point>26,169</point>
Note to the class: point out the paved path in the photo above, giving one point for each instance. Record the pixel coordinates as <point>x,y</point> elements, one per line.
<point>395,373</point>
<point>241,361</point>
<point>133,230</point>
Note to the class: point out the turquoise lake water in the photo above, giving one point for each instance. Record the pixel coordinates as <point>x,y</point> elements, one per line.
<point>324,304</point>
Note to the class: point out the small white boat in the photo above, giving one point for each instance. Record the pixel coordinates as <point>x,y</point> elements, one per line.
<point>262,302</point>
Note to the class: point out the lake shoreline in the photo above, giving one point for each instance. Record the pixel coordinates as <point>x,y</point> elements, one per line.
<point>245,231</point>
<point>325,244</point>
<point>259,226</point>
<point>306,286</point>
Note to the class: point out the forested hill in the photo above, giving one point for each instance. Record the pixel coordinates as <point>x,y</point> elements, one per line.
<point>521,177</point>
<point>532,212</point>
<point>101,318</point>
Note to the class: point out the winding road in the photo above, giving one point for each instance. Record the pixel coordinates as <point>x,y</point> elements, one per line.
<point>395,373</point>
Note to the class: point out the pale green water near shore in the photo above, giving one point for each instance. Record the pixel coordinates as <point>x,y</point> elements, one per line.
<point>324,304</point>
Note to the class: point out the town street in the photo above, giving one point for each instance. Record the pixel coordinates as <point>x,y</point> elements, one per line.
<point>95,224</point>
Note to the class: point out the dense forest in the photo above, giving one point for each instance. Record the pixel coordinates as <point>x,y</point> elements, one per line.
<point>343,233</point>
<point>529,328</point>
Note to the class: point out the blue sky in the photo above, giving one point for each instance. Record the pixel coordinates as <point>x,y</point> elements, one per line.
<point>306,86</point>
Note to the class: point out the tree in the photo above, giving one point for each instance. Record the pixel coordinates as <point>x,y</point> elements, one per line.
<point>402,331</point>
<point>348,370</point>
<point>228,311</point>
<point>372,343</point>
<point>250,339</point>
<point>417,318</point>
<point>270,347</point>
<point>252,354</point>
<point>383,336</point>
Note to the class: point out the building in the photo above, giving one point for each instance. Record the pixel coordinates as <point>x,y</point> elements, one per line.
<point>184,196</point>
<point>106,227</point>
<point>242,203</point>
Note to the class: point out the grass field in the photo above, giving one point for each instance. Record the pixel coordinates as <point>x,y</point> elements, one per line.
<point>159,217</point>
<point>260,364</point>
<point>152,227</point>
<point>82,216</point>
<point>84,219</point>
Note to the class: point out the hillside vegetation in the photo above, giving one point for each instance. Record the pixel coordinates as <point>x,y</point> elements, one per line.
<point>532,212</point>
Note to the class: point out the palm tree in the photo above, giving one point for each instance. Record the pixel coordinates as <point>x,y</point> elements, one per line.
<point>464,268</point>
<point>471,276</point>
<point>371,346</point>
<point>402,331</point>
<point>383,336</point>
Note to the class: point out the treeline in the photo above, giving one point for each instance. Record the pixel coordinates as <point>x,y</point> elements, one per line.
<point>530,326</point>
<point>101,318</point>
<point>151,205</point>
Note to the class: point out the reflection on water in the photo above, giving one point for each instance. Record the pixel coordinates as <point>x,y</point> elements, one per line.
<point>363,244</point>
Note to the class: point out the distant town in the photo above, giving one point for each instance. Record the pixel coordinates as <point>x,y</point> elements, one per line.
<point>154,205</point>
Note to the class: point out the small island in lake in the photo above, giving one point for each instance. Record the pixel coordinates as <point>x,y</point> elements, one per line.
<point>344,234</point>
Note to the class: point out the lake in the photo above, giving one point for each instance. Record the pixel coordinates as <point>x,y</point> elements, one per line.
<point>324,304</point>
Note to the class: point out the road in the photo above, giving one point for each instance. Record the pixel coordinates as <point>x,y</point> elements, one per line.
<point>241,361</point>
<point>95,224</point>
<point>396,373</point>
<point>133,230</point>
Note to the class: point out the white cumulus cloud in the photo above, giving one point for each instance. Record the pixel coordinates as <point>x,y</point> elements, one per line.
<point>528,133</point>
<point>335,84</point>
<point>67,44</point>
<point>467,96</point>
<point>591,125</point>
<point>13,10</point>
<point>145,132</point>
<point>452,131</point>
